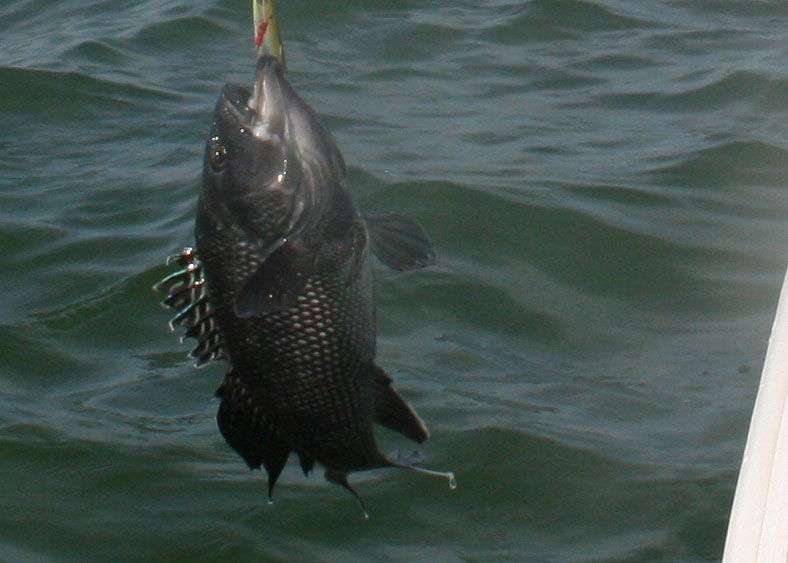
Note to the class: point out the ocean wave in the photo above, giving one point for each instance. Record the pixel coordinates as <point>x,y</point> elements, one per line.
<point>192,31</point>
<point>604,185</point>
<point>74,94</point>
<point>595,246</point>
<point>685,95</point>
<point>732,164</point>
<point>99,52</point>
<point>518,22</point>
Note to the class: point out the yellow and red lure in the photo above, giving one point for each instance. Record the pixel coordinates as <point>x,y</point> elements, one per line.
<point>266,31</point>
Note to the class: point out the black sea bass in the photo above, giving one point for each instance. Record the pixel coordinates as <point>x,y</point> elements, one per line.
<point>280,285</point>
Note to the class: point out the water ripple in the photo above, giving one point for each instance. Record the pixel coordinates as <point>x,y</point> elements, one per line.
<point>604,184</point>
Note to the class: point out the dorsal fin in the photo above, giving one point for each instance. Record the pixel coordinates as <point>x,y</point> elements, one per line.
<point>250,430</point>
<point>188,295</point>
<point>307,463</point>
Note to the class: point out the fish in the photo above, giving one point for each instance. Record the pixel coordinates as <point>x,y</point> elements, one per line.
<point>279,284</point>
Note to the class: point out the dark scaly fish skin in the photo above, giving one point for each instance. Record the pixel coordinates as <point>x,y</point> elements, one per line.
<point>281,286</point>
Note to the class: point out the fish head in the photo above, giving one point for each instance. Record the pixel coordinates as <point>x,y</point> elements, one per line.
<point>268,159</point>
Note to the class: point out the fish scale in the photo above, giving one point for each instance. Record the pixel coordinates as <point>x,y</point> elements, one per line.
<point>295,371</point>
<point>280,286</point>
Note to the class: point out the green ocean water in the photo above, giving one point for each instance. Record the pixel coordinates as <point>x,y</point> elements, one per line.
<point>606,187</point>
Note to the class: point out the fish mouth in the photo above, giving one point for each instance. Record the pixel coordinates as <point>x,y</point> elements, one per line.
<point>262,110</point>
<point>234,100</point>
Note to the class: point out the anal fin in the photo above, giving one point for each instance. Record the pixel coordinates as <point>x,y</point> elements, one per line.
<point>393,412</point>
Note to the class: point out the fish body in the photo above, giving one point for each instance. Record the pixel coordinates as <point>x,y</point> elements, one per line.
<point>280,285</point>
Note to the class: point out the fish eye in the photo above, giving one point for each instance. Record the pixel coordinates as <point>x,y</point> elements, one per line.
<point>217,153</point>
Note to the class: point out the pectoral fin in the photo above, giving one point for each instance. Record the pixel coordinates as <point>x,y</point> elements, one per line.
<point>399,241</point>
<point>358,251</point>
<point>276,284</point>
